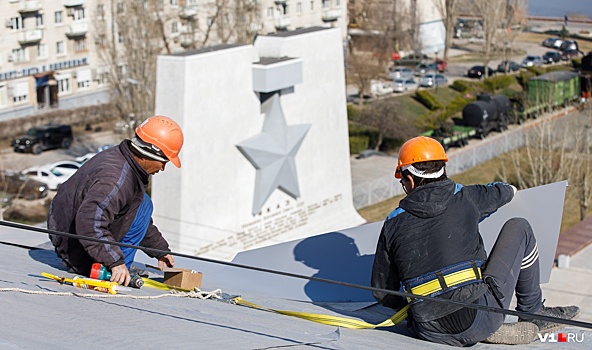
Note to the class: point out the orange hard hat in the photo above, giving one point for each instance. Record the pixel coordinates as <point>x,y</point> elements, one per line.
<point>419,149</point>
<point>164,134</point>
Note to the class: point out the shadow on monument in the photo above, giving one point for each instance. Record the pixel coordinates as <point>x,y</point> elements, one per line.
<point>336,257</point>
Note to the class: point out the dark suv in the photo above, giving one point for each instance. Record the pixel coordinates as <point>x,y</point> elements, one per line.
<point>41,138</point>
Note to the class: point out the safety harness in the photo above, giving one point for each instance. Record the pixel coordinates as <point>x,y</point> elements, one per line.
<point>443,280</point>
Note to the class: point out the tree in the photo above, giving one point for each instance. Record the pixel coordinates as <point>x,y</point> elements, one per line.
<point>385,116</point>
<point>493,13</point>
<point>141,30</point>
<point>363,68</point>
<point>447,9</point>
<point>554,152</point>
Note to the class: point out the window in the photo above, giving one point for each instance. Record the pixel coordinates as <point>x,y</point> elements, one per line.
<point>122,69</point>
<point>312,5</point>
<point>80,44</point>
<point>120,8</point>
<point>39,20</point>
<point>174,2</point>
<point>101,40</point>
<point>210,21</point>
<point>174,27</point>
<point>101,11</point>
<point>19,55</point>
<point>79,14</point>
<point>17,23</point>
<point>270,11</point>
<point>63,85</point>
<point>57,17</point>
<point>20,92</point>
<point>60,48</point>
<point>299,7</point>
<point>337,3</point>
<point>83,78</point>
<point>120,38</point>
<point>326,4</point>
<point>41,51</point>
<point>3,95</point>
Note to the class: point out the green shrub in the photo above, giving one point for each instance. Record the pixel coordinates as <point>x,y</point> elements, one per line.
<point>576,62</point>
<point>498,82</point>
<point>460,86</point>
<point>353,112</point>
<point>536,70</point>
<point>558,67</point>
<point>428,100</point>
<point>358,143</point>
<point>523,78</point>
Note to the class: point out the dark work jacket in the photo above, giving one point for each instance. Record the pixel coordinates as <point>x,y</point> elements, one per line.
<point>435,226</point>
<point>101,200</point>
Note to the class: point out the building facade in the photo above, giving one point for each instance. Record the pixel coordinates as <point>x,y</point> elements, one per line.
<point>49,49</point>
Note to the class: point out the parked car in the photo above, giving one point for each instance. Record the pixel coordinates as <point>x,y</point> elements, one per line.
<point>380,88</point>
<point>40,173</point>
<point>552,42</point>
<point>508,66</point>
<point>442,66</point>
<point>425,68</point>
<point>82,159</point>
<point>551,57</point>
<point>41,138</point>
<point>569,54</point>
<point>401,73</point>
<point>64,167</point>
<point>532,61</point>
<point>412,60</point>
<point>433,80</point>
<point>479,71</point>
<point>402,85</point>
<point>569,45</point>
<point>18,185</point>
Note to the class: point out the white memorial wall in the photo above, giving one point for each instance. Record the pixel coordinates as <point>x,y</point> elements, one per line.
<point>266,154</point>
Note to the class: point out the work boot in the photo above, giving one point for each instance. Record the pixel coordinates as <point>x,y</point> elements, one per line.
<point>566,312</point>
<point>514,333</point>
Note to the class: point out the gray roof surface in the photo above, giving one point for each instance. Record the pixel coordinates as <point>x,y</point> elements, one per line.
<point>34,321</point>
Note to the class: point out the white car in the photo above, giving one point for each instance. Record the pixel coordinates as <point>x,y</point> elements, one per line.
<point>64,167</point>
<point>402,85</point>
<point>44,175</point>
<point>84,158</point>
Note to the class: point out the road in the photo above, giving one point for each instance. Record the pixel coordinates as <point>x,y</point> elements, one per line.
<point>84,142</point>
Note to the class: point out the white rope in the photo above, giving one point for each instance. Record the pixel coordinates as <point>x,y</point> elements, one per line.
<point>197,293</point>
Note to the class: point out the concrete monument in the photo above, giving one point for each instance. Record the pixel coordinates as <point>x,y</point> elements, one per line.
<point>266,154</point>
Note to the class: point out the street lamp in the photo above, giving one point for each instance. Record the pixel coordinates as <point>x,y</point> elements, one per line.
<point>435,72</point>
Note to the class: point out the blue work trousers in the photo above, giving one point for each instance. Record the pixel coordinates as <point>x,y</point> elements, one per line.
<point>137,230</point>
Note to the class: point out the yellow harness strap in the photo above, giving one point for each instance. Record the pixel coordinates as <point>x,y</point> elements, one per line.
<point>318,318</point>
<point>331,320</point>
<point>452,279</point>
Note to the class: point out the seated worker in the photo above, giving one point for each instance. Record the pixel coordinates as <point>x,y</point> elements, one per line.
<point>106,199</point>
<point>434,232</point>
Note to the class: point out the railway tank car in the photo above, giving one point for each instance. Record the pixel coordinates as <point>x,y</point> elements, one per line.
<point>487,113</point>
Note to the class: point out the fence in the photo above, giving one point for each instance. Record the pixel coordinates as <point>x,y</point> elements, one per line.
<point>385,187</point>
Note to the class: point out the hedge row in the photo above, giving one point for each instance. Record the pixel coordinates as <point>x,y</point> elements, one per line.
<point>428,100</point>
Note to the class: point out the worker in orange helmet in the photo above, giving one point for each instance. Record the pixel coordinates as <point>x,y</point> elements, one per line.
<point>106,199</point>
<point>431,245</point>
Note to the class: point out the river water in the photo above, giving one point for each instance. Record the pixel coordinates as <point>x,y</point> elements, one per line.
<point>555,8</point>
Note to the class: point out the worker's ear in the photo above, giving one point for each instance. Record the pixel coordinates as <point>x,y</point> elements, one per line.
<point>411,182</point>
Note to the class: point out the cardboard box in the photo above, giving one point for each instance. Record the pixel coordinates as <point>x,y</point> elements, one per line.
<point>180,277</point>
<point>183,278</point>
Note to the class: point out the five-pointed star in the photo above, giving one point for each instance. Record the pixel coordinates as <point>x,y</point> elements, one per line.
<point>272,153</point>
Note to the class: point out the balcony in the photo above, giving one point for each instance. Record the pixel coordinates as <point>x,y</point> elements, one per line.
<point>331,15</point>
<point>188,12</point>
<point>29,6</point>
<point>30,36</point>
<point>73,3</point>
<point>76,29</point>
<point>281,2</point>
<point>282,22</point>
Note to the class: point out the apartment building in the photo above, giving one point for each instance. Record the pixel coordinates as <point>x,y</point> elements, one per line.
<point>49,49</point>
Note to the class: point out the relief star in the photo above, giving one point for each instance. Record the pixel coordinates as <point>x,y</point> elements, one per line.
<point>272,153</point>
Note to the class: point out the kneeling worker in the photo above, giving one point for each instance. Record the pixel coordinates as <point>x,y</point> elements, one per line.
<point>433,236</point>
<point>106,199</point>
